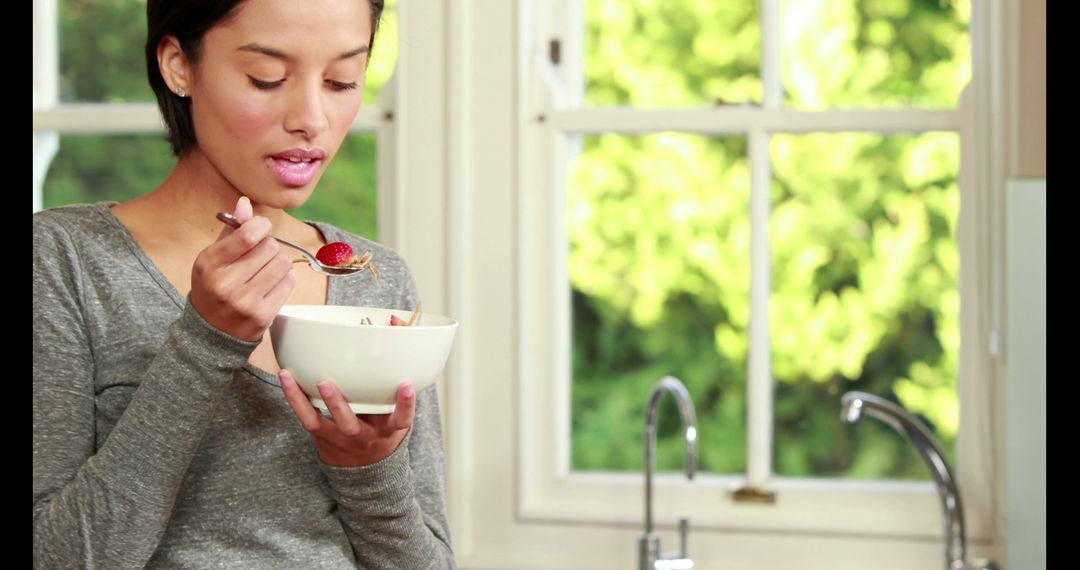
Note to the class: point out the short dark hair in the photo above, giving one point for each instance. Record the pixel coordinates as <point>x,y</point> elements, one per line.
<point>189,21</point>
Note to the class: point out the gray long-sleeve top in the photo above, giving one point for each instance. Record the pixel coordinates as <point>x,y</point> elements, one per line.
<point>157,444</point>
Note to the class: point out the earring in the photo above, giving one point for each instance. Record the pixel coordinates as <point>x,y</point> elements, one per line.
<point>180,92</point>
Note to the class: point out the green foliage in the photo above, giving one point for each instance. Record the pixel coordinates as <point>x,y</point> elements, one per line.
<point>875,53</point>
<point>862,236</point>
<point>96,168</point>
<point>101,51</point>
<point>653,53</point>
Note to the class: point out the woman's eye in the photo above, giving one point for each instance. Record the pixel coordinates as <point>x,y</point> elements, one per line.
<point>259,84</point>
<point>341,85</point>
<point>336,85</point>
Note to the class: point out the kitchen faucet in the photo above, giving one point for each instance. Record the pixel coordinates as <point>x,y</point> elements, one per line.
<point>649,556</point>
<point>852,406</point>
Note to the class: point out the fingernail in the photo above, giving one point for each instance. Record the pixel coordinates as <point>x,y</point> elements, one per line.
<point>408,391</point>
<point>286,378</point>
<point>326,389</point>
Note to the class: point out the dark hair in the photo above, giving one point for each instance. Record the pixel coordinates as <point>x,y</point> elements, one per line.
<point>189,20</point>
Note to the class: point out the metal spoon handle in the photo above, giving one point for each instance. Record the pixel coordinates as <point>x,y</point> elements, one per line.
<point>231,220</point>
<point>313,262</point>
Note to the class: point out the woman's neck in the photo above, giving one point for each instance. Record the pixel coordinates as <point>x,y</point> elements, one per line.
<point>182,209</point>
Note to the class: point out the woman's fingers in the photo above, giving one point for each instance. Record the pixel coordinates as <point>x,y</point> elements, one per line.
<point>351,440</point>
<point>239,282</point>
<point>344,417</point>
<point>243,210</point>
<point>242,298</point>
<point>236,247</point>
<point>277,296</point>
<point>309,417</point>
<point>405,411</point>
<point>273,270</point>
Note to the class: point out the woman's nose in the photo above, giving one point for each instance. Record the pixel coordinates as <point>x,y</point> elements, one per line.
<point>306,114</point>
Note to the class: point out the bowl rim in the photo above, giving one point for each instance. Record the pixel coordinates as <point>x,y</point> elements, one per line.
<point>281,313</point>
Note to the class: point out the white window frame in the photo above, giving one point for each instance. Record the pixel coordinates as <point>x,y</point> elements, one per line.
<point>560,518</point>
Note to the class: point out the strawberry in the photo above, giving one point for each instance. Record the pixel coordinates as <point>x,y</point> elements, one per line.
<point>396,322</point>
<point>335,253</point>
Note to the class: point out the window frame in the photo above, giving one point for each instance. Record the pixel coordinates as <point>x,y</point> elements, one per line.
<point>909,512</point>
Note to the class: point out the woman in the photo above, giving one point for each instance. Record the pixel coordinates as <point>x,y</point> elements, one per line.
<point>165,434</point>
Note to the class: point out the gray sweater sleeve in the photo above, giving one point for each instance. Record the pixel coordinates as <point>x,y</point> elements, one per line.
<point>393,511</point>
<point>109,509</point>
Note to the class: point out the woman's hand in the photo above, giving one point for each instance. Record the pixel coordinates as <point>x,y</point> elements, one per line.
<point>239,282</point>
<point>350,439</point>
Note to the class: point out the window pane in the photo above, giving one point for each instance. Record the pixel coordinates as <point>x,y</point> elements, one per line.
<point>96,168</point>
<point>659,267</point>
<point>864,297</point>
<point>678,53</point>
<point>875,53</point>
<point>102,51</point>
<point>384,55</point>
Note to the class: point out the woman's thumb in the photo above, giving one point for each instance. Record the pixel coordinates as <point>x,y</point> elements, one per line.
<point>243,211</point>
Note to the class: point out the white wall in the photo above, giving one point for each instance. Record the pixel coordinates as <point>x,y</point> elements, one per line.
<point>1025,367</point>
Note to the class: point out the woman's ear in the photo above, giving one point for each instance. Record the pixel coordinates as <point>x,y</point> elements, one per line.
<point>174,66</point>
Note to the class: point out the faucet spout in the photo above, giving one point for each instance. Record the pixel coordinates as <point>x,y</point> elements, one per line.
<point>649,544</point>
<point>854,404</point>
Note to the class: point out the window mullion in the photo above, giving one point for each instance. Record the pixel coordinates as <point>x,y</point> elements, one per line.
<point>46,58</point>
<point>127,118</point>
<point>46,81</point>
<point>770,54</point>
<point>731,120</point>
<point>759,391</point>
<point>759,394</point>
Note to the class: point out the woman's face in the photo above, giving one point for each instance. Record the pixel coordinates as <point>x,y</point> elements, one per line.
<point>275,91</point>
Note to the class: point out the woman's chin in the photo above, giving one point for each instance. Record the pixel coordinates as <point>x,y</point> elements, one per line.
<point>284,198</point>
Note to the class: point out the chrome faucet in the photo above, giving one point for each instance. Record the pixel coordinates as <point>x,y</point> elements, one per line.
<point>649,556</point>
<point>852,406</point>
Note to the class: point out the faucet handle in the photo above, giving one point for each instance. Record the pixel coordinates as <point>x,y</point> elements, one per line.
<point>679,560</point>
<point>648,551</point>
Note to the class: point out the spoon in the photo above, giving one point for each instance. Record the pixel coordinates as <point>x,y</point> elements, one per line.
<point>315,264</point>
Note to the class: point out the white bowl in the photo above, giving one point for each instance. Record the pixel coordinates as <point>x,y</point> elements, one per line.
<point>367,363</point>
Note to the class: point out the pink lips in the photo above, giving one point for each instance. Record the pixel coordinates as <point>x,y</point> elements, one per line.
<point>296,167</point>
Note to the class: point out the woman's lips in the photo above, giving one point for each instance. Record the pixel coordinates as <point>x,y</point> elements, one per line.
<point>294,172</point>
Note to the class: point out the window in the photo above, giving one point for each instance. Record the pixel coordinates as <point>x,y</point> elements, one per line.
<point>98,135</point>
<point>762,199</point>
